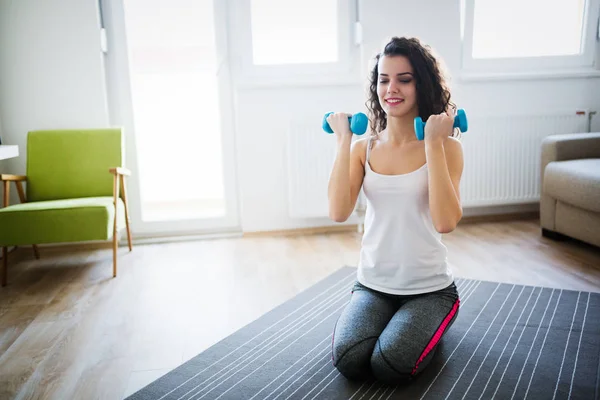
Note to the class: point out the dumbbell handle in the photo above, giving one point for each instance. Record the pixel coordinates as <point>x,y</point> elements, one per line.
<point>460,121</point>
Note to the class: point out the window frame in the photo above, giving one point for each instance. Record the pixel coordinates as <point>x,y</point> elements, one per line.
<point>345,70</point>
<point>586,61</point>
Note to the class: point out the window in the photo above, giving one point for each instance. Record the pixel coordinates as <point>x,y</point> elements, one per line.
<point>281,35</point>
<point>284,41</point>
<point>173,52</point>
<point>526,35</point>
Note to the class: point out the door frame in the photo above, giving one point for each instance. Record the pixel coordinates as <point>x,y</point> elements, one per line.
<point>121,114</point>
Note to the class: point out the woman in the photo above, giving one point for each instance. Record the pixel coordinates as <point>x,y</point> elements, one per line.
<point>405,298</point>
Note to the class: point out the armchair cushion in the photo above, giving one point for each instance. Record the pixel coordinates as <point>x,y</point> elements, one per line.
<point>63,164</point>
<point>56,221</point>
<point>576,182</point>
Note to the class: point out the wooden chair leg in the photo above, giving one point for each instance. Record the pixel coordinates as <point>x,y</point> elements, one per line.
<point>23,199</point>
<point>6,193</point>
<point>36,252</point>
<point>115,247</point>
<point>4,265</point>
<point>115,239</point>
<point>128,234</point>
<point>127,222</point>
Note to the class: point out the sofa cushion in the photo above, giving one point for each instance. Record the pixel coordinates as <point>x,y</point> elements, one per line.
<point>56,221</point>
<point>576,182</point>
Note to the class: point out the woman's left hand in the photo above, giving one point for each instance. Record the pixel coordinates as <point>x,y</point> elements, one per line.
<point>438,127</point>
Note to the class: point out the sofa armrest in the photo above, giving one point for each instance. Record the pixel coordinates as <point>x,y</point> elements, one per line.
<point>569,146</point>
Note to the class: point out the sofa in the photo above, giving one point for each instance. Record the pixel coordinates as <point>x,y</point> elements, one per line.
<point>570,187</point>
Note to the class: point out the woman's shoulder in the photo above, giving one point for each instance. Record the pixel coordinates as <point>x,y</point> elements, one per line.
<point>361,143</point>
<point>359,147</point>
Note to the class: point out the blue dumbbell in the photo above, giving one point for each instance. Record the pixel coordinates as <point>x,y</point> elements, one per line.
<point>460,121</point>
<point>358,123</point>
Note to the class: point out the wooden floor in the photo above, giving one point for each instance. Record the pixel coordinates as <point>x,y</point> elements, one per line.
<point>68,330</point>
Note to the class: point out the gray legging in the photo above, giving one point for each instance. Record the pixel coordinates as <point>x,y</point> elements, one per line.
<point>391,337</point>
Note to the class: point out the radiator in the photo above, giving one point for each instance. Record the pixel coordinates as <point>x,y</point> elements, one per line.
<point>501,156</point>
<point>310,154</point>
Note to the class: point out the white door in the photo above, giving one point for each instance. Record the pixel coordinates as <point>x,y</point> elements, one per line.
<point>169,86</point>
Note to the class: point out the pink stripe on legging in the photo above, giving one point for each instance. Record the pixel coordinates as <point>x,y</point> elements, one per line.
<point>438,335</point>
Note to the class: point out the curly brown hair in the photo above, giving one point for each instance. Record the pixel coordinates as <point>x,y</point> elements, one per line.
<point>433,94</point>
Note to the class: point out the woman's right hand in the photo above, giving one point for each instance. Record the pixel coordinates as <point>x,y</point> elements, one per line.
<point>340,124</point>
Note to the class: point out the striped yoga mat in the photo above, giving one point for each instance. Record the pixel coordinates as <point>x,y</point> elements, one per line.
<point>508,342</point>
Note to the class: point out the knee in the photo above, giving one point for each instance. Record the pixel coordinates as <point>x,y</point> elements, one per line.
<point>396,365</point>
<point>352,356</point>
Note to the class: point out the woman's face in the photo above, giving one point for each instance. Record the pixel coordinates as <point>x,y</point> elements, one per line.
<point>396,87</point>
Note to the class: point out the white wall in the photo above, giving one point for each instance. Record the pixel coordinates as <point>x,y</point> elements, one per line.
<point>51,75</point>
<point>3,163</point>
<point>435,22</point>
<point>4,167</point>
<point>262,123</point>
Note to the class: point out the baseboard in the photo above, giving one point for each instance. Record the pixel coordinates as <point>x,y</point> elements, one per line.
<point>304,231</point>
<point>501,213</point>
<point>500,217</point>
<point>501,209</point>
<point>91,245</point>
<point>184,238</point>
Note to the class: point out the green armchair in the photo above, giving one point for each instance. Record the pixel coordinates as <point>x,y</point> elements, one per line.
<point>75,192</point>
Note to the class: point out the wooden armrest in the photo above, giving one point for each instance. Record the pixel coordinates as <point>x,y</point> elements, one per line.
<point>13,178</point>
<point>17,179</point>
<point>120,171</point>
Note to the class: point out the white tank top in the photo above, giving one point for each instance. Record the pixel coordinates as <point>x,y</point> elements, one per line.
<point>401,252</point>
